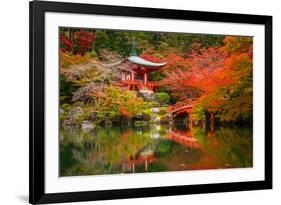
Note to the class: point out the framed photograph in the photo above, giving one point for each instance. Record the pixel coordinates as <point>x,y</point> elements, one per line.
<point>140,102</point>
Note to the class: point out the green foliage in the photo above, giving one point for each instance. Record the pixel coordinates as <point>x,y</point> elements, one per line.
<point>163,148</point>
<point>163,97</point>
<point>120,41</point>
<point>155,76</point>
<point>198,112</point>
<point>92,54</point>
<point>157,167</point>
<point>67,88</point>
<point>66,107</point>
<point>113,41</point>
<point>124,103</point>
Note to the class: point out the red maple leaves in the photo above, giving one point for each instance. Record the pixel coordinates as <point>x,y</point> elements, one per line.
<point>79,43</point>
<point>84,41</point>
<point>215,75</point>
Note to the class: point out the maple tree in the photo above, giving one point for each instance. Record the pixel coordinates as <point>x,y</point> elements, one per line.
<point>65,43</point>
<point>79,42</point>
<point>195,76</point>
<point>239,68</point>
<point>84,41</point>
<point>221,78</point>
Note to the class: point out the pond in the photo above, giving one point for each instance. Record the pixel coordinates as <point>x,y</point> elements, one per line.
<point>154,148</point>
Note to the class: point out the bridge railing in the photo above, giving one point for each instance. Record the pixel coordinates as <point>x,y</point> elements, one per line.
<point>181,105</point>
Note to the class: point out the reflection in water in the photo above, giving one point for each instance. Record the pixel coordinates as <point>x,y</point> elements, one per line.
<point>152,149</point>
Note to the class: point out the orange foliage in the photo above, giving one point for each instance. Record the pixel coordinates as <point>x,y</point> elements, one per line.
<point>124,112</point>
<point>216,76</point>
<point>67,59</point>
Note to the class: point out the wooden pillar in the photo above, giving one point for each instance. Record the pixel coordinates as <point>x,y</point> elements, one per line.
<point>145,78</point>
<point>123,76</point>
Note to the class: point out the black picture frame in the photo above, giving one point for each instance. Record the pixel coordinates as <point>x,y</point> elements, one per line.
<point>37,10</point>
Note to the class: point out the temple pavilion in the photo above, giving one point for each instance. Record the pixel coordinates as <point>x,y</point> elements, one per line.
<point>136,78</point>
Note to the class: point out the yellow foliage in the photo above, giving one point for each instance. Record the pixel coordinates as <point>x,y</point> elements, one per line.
<point>67,59</point>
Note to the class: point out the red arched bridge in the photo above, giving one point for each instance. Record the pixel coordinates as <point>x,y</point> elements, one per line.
<point>182,106</point>
<point>186,106</point>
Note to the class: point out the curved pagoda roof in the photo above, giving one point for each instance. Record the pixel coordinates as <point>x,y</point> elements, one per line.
<point>140,61</point>
<point>134,58</point>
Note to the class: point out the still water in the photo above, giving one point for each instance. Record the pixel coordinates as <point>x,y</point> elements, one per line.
<point>154,148</point>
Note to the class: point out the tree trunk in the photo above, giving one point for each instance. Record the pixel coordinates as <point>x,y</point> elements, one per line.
<point>207,119</point>
<point>212,124</point>
<point>190,120</point>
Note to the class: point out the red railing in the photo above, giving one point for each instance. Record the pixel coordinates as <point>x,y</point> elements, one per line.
<point>182,105</point>
<point>149,84</point>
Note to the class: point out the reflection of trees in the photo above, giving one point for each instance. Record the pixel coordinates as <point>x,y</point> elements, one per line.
<point>102,151</point>
<point>117,150</point>
<point>225,148</point>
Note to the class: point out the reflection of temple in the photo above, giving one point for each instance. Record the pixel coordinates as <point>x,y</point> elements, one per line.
<point>147,155</point>
<point>137,77</point>
<point>129,165</point>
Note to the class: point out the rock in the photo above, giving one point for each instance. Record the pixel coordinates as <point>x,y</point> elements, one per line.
<point>62,111</point>
<point>73,117</point>
<point>171,122</point>
<point>76,111</point>
<point>147,95</point>
<point>165,119</point>
<point>87,126</point>
<point>146,117</point>
<point>93,116</point>
<point>155,135</point>
<point>148,151</point>
<point>155,110</point>
<point>139,116</point>
<point>67,123</point>
<point>139,123</point>
<point>157,120</point>
<point>168,118</point>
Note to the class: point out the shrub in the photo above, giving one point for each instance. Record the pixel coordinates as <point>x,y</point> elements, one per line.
<point>198,112</point>
<point>67,59</point>
<point>92,54</point>
<point>163,97</point>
